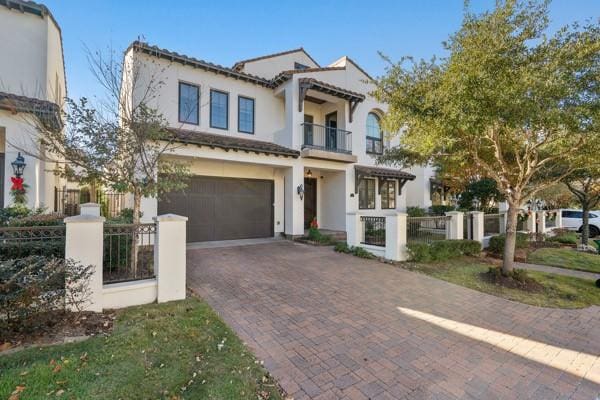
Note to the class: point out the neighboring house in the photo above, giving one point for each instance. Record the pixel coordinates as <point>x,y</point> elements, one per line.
<point>32,85</point>
<point>274,142</point>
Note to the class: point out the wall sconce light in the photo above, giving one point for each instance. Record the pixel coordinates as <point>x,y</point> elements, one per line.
<point>300,190</point>
<point>18,165</point>
<point>309,173</point>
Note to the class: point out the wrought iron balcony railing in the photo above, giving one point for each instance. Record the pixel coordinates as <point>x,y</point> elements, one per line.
<point>326,138</point>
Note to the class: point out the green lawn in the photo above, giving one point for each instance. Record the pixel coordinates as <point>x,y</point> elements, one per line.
<point>167,351</point>
<point>559,291</point>
<point>566,258</point>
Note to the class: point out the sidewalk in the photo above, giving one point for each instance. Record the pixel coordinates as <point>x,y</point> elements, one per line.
<point>559,271</point>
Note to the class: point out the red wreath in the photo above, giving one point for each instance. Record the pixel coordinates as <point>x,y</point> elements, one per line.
<point>17,183</point>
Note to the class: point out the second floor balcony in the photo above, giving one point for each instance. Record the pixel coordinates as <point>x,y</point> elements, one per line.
<point>326,138</point>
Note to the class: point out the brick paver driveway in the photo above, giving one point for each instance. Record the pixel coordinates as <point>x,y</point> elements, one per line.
<point>335,326</point>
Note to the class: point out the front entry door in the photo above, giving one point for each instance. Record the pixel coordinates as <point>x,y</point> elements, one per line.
<point>310,201</point>
<point>331,131</point>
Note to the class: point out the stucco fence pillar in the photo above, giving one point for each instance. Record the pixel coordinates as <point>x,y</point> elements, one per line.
<point>353,229</point>
<point>454,227</point>
<point>541,221</point>
<point>170,257</point>
<point>559,222</point>
<point>478,221</point>
<point>531,222</point>
<point>395,237</point>
<point>84,245</point>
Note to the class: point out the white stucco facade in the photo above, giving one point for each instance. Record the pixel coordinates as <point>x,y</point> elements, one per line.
<point>32,75</point>
<point>280,109</point>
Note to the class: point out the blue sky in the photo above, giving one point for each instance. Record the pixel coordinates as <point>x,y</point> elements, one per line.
<point>226,31</point>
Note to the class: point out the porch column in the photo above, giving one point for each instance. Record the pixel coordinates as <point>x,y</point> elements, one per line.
<point>294,206</point>
<point>395,237</point>
<point>454,229</point>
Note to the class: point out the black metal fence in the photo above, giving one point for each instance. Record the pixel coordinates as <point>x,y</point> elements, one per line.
<point>468,226</point>
<point>67,201</point>
<point>426,229</point>
<point>492,224</point>
<point>327,138</point>
<point>23,241</point>
<point>128,252</point>
<point>373,230</point>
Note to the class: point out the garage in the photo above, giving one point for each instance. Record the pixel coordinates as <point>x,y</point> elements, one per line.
<point>223,208</point>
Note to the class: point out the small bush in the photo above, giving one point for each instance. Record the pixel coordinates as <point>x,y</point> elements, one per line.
<point>32,291</point>
<point>419,252</point>
<point>52,219</point>
<point>54,247</point>
<point>17,211</point>
<point>362,253</point>
<point>496,245</point>
<point>443,250</point>
<point>416,211</point>
<point>342,247</point>
<point>564,237</point>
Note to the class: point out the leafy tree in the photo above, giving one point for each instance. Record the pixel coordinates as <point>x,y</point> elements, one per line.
<point>508,101</point>
<point>585,186</point>
<point>557,196</point>
<point>485,189</point>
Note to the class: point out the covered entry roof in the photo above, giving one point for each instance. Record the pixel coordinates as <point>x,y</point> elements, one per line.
<point>363,171</point>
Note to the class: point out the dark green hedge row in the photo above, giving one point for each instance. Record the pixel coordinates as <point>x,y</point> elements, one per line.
<point>443,250</point>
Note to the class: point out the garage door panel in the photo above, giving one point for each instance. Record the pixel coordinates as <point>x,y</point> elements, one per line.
<point>223,208</point>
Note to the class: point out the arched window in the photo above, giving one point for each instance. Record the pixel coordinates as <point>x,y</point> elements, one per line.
<point>374,134</point>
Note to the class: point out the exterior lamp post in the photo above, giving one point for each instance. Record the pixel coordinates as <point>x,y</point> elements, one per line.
<point>476,203</point>
<point>18,166</point>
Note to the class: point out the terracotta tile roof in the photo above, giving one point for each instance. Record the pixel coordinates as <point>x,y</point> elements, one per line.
<point>46,111</point>
<point>240,64</point>
<point>364,170</point>
<point>227,143</point>
<point>196,63</point>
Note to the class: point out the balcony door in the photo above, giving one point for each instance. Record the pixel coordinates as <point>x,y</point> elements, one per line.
<point>331,130</point>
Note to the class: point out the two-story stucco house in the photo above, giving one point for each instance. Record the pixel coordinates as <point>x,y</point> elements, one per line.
<point>32,85</point>
<point>274,142</point>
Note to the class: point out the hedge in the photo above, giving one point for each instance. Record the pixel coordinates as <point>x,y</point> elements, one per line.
<point>443,250</point>
<point>497,242</point>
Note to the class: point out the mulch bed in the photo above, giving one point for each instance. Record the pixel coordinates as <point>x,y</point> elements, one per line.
<point>58,328</point>
<point>523,282</point>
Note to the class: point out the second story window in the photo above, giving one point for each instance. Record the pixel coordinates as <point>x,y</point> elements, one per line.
<point>219,109</point>
<point>245,114</point>
<point>189,102</point>
<point>374,134</point>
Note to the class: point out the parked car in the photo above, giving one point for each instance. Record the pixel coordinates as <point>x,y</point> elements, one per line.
<point>573,220</point>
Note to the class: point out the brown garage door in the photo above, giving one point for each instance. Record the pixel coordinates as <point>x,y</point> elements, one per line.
<point>223,208</point>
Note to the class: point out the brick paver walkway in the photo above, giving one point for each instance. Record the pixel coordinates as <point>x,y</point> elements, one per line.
<point>332,326</point>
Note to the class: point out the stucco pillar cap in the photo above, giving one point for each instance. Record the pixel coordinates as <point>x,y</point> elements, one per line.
<point>83,219</point>
<point>170,217</point>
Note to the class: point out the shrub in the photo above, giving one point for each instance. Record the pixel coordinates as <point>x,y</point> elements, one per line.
<point>16,211</point>
<point>496,245</point>
<point>443,250</point>
<point>12,249</point>
<point>564,237</point>
<point>52,219</point>
<point>441,209</point>
<point>416,211</point>
<point>32,291</point>
<point>342,247</point>
<point>362,253</point>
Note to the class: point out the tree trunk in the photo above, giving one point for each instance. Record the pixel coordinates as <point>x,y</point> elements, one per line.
<point>585,228</point>
<point>508,262</point>
<point>137,201</point>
